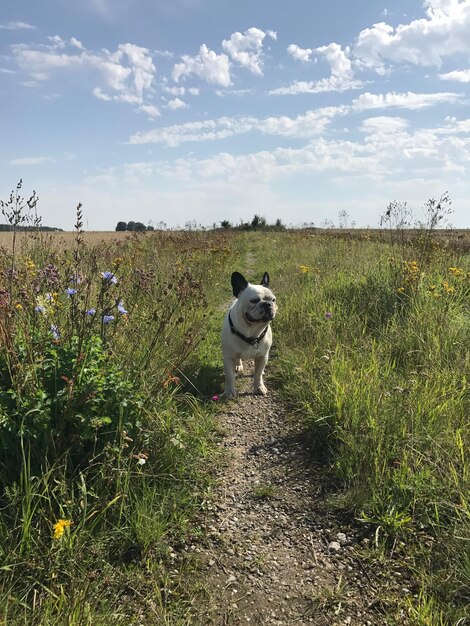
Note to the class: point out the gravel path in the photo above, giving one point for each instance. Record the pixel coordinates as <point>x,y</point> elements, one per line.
<point>271,554</point>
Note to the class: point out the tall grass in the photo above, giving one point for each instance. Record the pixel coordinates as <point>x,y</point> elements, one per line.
<point>374,354</point>
<point>105,456</point>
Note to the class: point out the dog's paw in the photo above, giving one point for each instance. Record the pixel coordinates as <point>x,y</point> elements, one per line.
<point>260,390</point>
<point>229,394</point>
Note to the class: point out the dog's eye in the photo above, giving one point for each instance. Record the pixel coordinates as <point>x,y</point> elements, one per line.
<point>255,300</point>
<point>274,299</point>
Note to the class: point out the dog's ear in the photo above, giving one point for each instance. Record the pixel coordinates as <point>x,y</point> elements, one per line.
<point>265,280</point>
<point>239,283</point>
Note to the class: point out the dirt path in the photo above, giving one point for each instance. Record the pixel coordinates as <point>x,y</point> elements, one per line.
<point>271,554</point>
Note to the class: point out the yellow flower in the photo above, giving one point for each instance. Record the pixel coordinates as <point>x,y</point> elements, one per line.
<point>304,269</point>
<point>60,526</point>
<point>401,290</point>
<point>19,307</point>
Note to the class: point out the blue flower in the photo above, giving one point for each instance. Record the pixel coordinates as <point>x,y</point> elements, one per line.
<point>55,332</point>
<point>91,311</point>
<point>70,292</point>
<point>108,318</point>
<point>121,308</point>
<point>109,276</point>
<point>39,308</point>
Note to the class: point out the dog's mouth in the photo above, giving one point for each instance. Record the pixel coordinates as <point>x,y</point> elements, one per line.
<point>267,317</point>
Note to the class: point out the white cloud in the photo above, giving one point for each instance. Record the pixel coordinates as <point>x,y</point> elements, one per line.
<point>444,32</point>
<point>208,65</point>
<point>341,74</point>
<point>175,91</point>
<point>17,26</point>
<point>334,83</point>
<point>462,76</point>
<point>194,91</point>
<point>408,100</point>
<point>246,48</point>
<point>127,74</point>
<point>300,54</point>
<point>152,111</point>
<point>176,103</point>
<point>32,160</point>
<point>310,124</point>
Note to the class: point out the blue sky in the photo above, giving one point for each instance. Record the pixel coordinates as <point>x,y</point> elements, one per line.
<point>208,109</point>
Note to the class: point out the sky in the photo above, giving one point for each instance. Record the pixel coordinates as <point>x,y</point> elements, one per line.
<point>210,110</point>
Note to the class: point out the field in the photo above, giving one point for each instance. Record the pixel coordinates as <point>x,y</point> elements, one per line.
<point>109,362</point>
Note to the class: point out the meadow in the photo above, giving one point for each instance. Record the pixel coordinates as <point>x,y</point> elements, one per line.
<point>109,361</point>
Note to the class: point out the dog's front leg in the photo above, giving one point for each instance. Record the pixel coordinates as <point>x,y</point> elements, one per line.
<point>229,367</point>
<point>258,384</point>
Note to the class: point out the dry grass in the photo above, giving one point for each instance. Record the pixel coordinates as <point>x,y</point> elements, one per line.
<point>61,240</point>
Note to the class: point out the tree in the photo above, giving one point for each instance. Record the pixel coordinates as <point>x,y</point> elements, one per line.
<point>120,226</point>
<point>225,224</point>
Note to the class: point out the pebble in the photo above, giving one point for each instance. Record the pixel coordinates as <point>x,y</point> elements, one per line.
<point>334,546</point>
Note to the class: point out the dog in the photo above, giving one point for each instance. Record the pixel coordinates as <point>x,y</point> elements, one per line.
<point>246,331</point>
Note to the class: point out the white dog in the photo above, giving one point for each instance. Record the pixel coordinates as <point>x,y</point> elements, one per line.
<point>246,331</point>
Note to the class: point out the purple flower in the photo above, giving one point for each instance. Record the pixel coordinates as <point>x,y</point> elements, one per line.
<point>121,308</point>
<point>110,277</point>
<point>108,318</point>
<point>328,315</point>
<point>91,311</point>
<point>70,292</point>
<point>215,398</point>
<point>40,308</point>
<point>55,332</point>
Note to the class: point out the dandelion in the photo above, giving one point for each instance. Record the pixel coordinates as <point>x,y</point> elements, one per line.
<point>121,308</point>
<point>60,526</point>
<point>70,292</point>
<point>304,269</point>
<point>90,312</point>
<point>108,319</point>
<point>110,277</point>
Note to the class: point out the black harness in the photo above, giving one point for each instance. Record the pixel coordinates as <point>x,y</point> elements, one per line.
<point>253,341</point>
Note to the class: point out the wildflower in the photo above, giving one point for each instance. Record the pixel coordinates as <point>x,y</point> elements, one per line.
<point>171,379</point>
<point>55,332</point>
<point>304,269</point>
<point>117,261</point>
<point>328,315</point>
<point>60,526</point>
<point>18,306</point>
<point>110,277</point>
<point>215,398</point>
<point>141,458</point>
<point>432,287</point>
<point>70,292</point>
<point>91,312</point>
<point>401,290</point>
<point>108,318</point>
<point>52,274</point>
<point>121,308</point>
<point>40,308</point>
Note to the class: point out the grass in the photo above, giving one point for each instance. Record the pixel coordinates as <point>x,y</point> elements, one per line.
<point>373,352</point>
<point>109,426</point>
